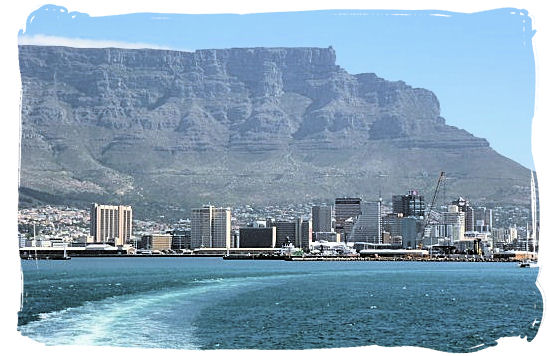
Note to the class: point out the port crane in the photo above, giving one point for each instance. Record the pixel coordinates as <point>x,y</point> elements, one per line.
<point>428,217</point>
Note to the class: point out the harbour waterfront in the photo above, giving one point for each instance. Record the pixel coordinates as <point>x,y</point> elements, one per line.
<point>211,303</point>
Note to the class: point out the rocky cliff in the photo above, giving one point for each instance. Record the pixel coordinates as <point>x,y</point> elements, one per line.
<point>236,126</point>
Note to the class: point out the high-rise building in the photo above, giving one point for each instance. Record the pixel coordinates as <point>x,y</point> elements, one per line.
<point>411,204</point>
<point>410,226</point>
<point>469,218</point>
<point>345,209</point>
<point>201,227</point>
<point>368,227</point>
<point>392,223</point>
<point>111,224</point>
<point>305,235</point>
<point>221,228</point>
<point>321,217</point>
<point>483,219</point>
<point>444,234</point>
<point>211,227</point>
<point>456,218</point>
<point>512,233</point>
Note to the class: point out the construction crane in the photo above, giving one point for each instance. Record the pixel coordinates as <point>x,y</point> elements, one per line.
<point>427,220</point>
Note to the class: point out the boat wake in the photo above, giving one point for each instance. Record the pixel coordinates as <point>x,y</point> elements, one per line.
<point>161,319</point>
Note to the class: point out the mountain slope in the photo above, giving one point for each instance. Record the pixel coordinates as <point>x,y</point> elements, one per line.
<point>237,126</point>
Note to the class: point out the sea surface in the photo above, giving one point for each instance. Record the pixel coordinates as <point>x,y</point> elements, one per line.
<point>210,303</point>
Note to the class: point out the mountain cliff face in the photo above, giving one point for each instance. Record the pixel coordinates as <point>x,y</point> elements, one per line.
<point>237,126</point>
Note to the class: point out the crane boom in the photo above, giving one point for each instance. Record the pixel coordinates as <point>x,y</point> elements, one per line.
<point>430,208</point>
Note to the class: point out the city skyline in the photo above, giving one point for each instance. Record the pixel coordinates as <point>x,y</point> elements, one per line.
<point>474,217</point>
<point>177,154</point>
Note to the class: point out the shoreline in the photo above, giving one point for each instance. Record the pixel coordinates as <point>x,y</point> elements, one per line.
<point>283,258</point>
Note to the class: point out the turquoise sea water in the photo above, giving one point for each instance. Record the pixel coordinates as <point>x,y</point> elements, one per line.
<point>209,303</point>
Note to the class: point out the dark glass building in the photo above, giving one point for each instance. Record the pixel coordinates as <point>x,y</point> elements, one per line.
<point>411,204</point>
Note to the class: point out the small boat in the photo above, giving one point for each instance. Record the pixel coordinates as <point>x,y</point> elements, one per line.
<point>528,264</point>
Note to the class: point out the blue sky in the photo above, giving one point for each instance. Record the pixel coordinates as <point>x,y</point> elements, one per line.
<point>480,66</point>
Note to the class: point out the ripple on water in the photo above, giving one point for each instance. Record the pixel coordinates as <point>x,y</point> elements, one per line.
<point>214,304</point>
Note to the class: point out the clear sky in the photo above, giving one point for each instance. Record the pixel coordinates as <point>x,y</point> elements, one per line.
<point>480,66</point>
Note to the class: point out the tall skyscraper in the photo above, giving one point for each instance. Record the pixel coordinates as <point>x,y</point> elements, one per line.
<point>483,219</point>
<point>344,209</point>
<point>111,224</point>
<point>411,204</point>
<point>211,227</point>
<point>392,224</point>
<point>456,218</point>
<point>305,234</point>
<point>410,226</point>
<point>201,227</point>
<point>321,217</point>
<point>368,227</point>
<point>469,218</point>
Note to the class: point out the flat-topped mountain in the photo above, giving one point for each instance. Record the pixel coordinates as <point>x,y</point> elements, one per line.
<point>237,126</point>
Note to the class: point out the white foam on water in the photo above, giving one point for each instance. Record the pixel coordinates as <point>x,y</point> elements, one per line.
<point>157,319</point>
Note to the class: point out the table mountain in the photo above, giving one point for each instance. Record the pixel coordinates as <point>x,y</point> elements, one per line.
<point>160,128</point>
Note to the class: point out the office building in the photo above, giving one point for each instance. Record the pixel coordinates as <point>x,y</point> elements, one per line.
<point>456,218</point>
<point>469,218</point>
<point>368,226</point>
<point>297,232</point>
<point>410,226</point>
<point>411,204</point>
<point>321,217</point>
<point>443,234</point>
<point>210,227</point>
<point>346,212</point>
<point>512,233</point>
<point>392,223</point>
<point>181,239</point>
<point>483,219</point>
<point>221,228</point>
<point>257,237</point>
<point>286,232</point>
<point>306,237</point>
<point>156,242</point>
<point>111,224</point>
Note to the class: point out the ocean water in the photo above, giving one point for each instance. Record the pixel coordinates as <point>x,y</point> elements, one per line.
<point>210,303</point>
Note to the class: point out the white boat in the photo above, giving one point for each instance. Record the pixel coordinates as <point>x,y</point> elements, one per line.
<point>289,250</point>
<point>528,264</point>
